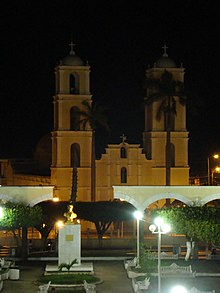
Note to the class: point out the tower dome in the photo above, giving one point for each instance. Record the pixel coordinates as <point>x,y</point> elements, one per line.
<point>165,61</point>
<point>72,59</point>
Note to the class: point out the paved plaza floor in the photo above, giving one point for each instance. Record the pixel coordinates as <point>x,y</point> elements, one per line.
<point>115,279</point>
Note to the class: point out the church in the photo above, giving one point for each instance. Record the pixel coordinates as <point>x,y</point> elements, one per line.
<point>70,163</point>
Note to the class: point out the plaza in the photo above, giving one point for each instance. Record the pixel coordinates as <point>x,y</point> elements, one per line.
<point>53,151</point>
<point>118,282</point>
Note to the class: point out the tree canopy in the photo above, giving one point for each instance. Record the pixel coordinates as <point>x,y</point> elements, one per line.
<point>51,213</point>
<point>19,215</point>
<point>94,115</point>
<point>198,223</point>
<point>167,91</point>
<point>103,213</point>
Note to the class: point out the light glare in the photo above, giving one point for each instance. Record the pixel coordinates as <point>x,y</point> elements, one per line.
<point>217,169</point>
<point>165,228</point>
<point>138,215</point>
<point>158,221</point>
<point>179,289</point>
<point>59,224</point>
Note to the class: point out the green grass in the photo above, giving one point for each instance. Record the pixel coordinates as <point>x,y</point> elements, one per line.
<point>68,279</point>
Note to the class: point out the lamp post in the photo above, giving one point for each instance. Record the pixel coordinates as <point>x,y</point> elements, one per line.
<point>138,215</point>
<point>215,156</point>
<point>159,228</point>
<point>216,170</point>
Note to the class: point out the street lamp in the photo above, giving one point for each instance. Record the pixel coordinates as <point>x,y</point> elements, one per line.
<point>138,216</point>
<point>59,224</point>
<point>216,170</point>
<point>159,228</point>
<point>215,156</point>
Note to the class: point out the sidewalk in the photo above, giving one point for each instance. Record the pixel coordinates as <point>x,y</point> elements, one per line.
<point>111,272</point>
<point>115,278</point>
<point>27,281</point>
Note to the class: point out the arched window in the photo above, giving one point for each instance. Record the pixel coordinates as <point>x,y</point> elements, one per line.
<point>72,84</point>
<point>123,175</point>
<point>74,119</point>
<point>123,152</point>
<point>75,155</point>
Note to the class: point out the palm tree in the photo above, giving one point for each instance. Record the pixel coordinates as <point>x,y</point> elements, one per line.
<point>74,186</point>
<point>94,115</point>
<point>167,91</point>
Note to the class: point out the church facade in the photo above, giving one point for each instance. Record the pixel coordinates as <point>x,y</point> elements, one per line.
<point>122,164</point>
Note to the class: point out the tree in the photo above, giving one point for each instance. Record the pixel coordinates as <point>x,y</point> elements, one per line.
<point>167,91</point>
<point>51,213</point>
<point>197,223</point>
<point>94,115</point>
<point>18,216</point>
<point>74,188</point>
<point>103,213</point>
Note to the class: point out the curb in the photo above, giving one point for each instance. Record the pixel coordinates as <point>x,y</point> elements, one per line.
<point>207,274</point>
<point>73,285</point>
<point>82,258</point>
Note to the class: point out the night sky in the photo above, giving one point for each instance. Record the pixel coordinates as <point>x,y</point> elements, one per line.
<point>119,39</point>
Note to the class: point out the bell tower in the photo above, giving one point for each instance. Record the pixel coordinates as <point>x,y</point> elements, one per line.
<point>71,143</point>
<point>155,130</point>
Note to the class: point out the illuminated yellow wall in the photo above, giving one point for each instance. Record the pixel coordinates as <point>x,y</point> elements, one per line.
<point>144,166</point>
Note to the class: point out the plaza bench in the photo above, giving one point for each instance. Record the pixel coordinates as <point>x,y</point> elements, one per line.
<point>44,288</point>
<point>89,288</point>
<point>195,290</point>
<point>130,263</point>
<point>173,270</point>
<point>138,286</point>
<point>5,263</point>
<point>132,274</point>
<point>4,274</point>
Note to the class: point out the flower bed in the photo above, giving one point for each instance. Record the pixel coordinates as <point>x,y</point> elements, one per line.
<point>68,279</point>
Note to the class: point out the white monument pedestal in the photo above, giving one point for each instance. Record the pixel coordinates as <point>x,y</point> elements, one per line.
<point>69,248</point>
<point>69,243</point>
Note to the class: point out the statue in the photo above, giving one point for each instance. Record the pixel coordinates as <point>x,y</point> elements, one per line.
<point>70,215</point>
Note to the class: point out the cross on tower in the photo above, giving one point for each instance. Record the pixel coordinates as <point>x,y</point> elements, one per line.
<point>123,137</point>
<point>72,45</point>
<point>165,50</point>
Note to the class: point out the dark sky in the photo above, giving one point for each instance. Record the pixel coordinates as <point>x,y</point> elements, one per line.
<point>119,39</point>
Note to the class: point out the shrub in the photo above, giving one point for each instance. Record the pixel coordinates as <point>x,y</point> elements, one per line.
<point>148,262</point>
<point>67,265</point>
